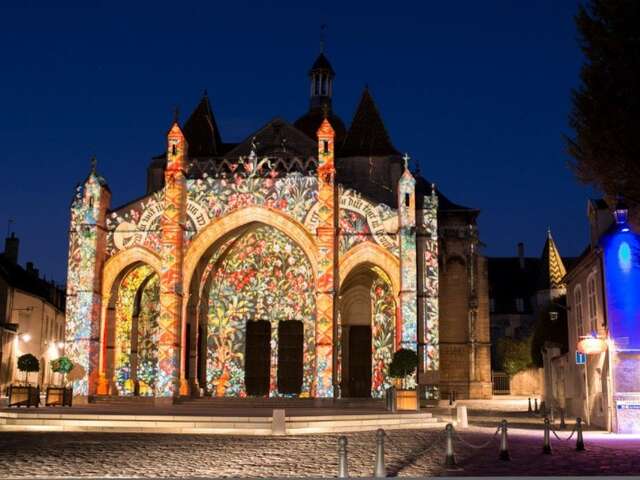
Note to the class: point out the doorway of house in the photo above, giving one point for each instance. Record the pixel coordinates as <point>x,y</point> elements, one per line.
<point>290,354</point>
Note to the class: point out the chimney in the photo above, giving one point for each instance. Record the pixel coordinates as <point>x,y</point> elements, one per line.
<point>521,254</point>
<point>11,245</point>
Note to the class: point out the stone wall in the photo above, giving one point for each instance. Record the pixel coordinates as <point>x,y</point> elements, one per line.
<point>528,382</point>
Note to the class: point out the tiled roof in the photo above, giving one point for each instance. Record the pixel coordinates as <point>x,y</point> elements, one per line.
<point>19,278</point>
<point>201,131</point>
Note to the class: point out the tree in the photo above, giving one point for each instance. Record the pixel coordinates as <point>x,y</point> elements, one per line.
<point>606,106</point>
<point>548,329</point>
<point>514,355</point>
<point>403,364</point>
<point>28,363</point>
<point>62,365</point>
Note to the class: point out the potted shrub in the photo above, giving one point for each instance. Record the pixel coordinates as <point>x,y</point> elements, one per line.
<point>61,395</point>
<point>403,366</point>
<point>26,394</point>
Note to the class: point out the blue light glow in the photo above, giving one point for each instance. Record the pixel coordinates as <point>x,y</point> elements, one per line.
<point>624,257</point>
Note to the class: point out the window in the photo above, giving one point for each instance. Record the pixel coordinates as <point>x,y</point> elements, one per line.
<point>519,305</point>
<point>592,302</point>
<point>577,307</point>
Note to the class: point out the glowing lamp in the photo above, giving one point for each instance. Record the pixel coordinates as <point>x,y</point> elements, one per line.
<point>26,338</point>
<point>590,345</point>
<point>621,213</point>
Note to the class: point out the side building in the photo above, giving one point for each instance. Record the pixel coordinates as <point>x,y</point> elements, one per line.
<point>32,315</point>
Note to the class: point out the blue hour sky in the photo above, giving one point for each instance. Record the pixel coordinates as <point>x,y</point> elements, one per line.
<point>477,92</point>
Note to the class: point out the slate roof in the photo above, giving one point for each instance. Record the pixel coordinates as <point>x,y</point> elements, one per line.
<point>508,280</point>
<point>310,122</point>
<point>322,63</point>
<point>16,276</point>
<point>367,135</point>
<point>201,130</point>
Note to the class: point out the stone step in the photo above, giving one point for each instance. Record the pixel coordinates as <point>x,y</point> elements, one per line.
<point>18,421</point>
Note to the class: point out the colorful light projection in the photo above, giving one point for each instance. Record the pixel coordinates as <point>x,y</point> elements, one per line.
<point>83,303</point>
<point>621,256</point>
<point>325,233</point>
<point>383,311</point>
<point>431,360</point>
<point>408,267</point>
<point>261,275</point>
<point>137,307</point>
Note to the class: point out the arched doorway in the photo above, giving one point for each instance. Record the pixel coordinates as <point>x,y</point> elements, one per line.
<point>252,302</point>
<point>367,332</point>
<point>136,311</point>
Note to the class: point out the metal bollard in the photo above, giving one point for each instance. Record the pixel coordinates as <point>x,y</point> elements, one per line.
<point>449,460</point>
<point>563,425</point>
<point>343,467</point>
<point>504,448</point>
<point>579,439</point>
<point>454,396</point>
<point>380,471</point>
<point>530,409</point>
<point>450,398</point>
<point>535,408</point>
<point>546,447</point>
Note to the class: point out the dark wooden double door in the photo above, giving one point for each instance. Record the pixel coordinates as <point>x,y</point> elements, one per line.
<point>258,357</point>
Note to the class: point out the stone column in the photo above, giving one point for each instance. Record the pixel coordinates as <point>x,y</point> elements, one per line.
<point>171,291</point>
<point>326,241</point>
<point>408,274</point>
<point>87,244</point>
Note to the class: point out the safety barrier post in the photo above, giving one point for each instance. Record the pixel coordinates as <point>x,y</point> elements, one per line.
<point>563,425</point>
<point>380,471</point>
<point>343,467</point>
<point>546,447</point>
<point>450,460</point>
<point>535,409</point>
<point>504,449</point>
<point>530,410</point>
<point>579,440</point>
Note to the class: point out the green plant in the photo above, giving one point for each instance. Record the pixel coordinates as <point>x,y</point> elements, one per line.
<point>62,365</point>
<point>514,355</point>
<point>403,364</point>
<point>28,363</point>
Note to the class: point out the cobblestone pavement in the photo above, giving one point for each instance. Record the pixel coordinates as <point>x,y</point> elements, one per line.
<point>408,453</point>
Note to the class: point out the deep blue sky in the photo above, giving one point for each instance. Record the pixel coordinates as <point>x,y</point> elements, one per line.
<point>478,92</point>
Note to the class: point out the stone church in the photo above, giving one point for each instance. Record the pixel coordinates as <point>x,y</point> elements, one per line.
<point>294,263</point>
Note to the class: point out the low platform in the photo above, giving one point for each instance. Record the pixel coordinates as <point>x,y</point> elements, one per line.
<point>216,416</point>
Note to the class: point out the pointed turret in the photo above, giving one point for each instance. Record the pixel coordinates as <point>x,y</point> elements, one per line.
<point>552,269</point>
<point>201,130</point>
<point>367,136</point>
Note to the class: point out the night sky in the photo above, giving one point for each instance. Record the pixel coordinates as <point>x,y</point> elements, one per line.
<point>477,92</point>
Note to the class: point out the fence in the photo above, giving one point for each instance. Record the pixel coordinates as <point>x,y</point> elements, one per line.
<point>501,383</point>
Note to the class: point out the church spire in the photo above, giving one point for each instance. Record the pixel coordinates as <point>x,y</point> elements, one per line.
<point>552,269</point>
<point>367,135</point>
<point>201,130</point>
<point>321,76</point>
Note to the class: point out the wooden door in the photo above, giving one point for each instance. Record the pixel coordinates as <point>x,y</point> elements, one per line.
<point>360,361</point>
<point>257,362</point>
<point>290,350</point>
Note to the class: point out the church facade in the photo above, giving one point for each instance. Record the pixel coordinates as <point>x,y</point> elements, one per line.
<point>294,263</point>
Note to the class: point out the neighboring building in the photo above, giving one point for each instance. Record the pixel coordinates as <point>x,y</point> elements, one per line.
<point>598,378</point>
<point>293,263</point>
<point>31,317</point>
<point>520,288</point>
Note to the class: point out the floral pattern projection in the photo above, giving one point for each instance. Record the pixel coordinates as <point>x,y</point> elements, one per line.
<point>382,334</point>
<point>361,221</point>
<point>139,285</point>
<point>263,275</point>
<point>431,286</point>
<point>83,305</point>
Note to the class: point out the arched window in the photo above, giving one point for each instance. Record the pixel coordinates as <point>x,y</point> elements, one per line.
<point>592,302</point>
<point>577,307</point>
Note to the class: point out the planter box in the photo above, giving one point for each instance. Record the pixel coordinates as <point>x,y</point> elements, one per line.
<point>26,396</point>
<point>59,396</point>
<point>407,400</point>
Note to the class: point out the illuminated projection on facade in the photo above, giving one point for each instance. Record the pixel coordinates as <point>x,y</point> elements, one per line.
<point>291,264</point>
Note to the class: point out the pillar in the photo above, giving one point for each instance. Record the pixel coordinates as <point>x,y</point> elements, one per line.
<point>171,291</point>
<point>408,334</point>
<point>428,291</point>
<point>87,242</point>
<point>326,241</point>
